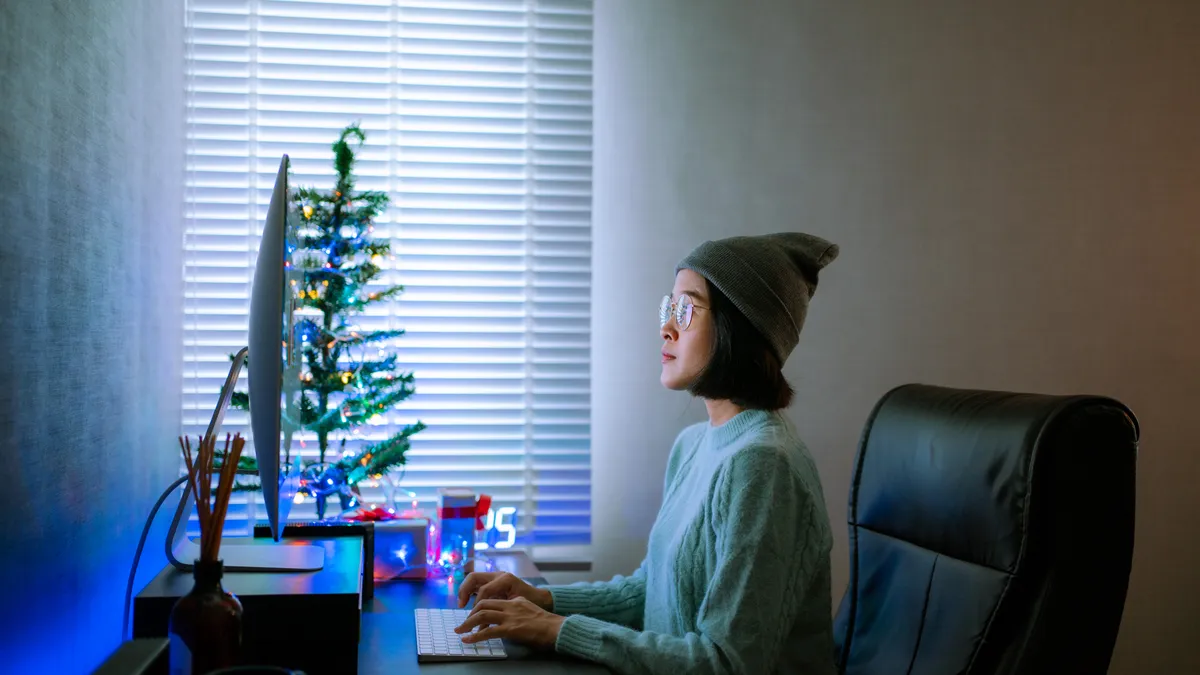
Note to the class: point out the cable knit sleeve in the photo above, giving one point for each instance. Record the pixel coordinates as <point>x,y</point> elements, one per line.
<point>765,558</point>
<point>619,601</point>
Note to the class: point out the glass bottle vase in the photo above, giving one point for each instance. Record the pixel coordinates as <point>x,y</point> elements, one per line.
<point>205,630</point>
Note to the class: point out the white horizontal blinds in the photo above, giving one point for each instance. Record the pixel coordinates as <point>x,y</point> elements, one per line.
<point>493,148</point>
<point>478,117</point>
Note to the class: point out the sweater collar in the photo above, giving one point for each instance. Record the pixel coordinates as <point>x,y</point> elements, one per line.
<point>737,425</point>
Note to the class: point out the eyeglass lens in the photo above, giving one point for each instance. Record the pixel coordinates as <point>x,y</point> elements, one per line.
<point>682,308</point>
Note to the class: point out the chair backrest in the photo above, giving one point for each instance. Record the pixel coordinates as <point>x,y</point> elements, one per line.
<point>990,532</point>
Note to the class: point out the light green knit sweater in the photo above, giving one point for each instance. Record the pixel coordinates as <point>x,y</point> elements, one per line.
<point>736,575</point>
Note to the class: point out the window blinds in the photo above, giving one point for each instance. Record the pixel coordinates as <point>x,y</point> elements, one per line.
<point>478,122</point>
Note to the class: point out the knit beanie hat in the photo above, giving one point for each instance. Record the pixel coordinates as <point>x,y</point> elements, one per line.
<point>769,278</point>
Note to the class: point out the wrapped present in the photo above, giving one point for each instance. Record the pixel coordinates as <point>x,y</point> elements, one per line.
<point>400,543</point>
<point>460,516</point>
<point>400,548</point>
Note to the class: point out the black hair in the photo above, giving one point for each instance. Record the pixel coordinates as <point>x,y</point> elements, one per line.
<point>742,368</point>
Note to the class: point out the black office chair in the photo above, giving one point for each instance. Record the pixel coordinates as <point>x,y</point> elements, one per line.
<point>990,532</point>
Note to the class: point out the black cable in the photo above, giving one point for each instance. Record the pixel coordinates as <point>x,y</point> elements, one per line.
<point>137,556</point>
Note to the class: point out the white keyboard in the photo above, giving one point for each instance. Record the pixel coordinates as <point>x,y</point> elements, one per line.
<point>437,641</point>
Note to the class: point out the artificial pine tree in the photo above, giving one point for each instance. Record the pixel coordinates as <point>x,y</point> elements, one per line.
<point>341,388</point>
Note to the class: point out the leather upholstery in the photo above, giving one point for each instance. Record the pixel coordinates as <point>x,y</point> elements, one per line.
<point>990,532</point>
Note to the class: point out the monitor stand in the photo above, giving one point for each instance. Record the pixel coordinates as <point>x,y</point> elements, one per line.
<point>270,556</point>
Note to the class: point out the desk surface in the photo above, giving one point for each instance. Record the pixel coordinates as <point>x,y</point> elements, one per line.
<point>389,645</point>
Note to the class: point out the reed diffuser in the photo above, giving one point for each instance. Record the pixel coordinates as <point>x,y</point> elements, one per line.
<point>206,624</point>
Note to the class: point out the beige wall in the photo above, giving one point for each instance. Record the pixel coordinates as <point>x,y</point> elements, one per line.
<point>1016,190</point>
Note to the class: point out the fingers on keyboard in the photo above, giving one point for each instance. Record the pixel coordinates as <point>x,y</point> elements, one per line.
<point>436,639</point>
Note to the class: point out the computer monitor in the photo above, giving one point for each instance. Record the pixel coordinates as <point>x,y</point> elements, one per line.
<point>274,381</point>
<point>274,398</point>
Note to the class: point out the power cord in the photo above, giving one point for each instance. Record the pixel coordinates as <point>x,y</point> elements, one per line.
<point>137,556</point>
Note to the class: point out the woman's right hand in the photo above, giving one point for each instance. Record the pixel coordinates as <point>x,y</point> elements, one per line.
<point>502,586</point>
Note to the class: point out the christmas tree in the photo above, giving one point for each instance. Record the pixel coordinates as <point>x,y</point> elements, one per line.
<point>342,388</point>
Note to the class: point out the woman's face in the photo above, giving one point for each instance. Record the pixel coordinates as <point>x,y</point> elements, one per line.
<point>685,353</point>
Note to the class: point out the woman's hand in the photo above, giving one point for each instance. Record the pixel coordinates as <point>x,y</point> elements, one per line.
<point>519,620</point>
<point>501,586</point>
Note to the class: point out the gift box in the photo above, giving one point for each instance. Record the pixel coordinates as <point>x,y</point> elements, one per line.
<point>400,548</point>
<point>460,516</point>
<point>399,542</point>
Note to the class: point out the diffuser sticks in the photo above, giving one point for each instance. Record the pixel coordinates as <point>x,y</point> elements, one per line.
<point>211,507</point>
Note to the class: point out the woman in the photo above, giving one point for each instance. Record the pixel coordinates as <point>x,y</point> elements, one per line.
<point>736,575</point>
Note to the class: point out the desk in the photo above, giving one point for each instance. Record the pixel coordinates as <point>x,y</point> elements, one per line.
<point>389,642</point>
<point>311,620</point>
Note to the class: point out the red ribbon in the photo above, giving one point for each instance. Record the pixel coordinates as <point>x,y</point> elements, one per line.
<point>478,511</point>
<point>376,514</point>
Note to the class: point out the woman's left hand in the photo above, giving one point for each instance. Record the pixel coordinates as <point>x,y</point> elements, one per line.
<point>518,620</point>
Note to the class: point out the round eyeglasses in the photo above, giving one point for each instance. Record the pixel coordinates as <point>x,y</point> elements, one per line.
<point>681,309</point>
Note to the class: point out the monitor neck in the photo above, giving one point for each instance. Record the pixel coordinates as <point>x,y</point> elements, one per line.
<point>235,370</point>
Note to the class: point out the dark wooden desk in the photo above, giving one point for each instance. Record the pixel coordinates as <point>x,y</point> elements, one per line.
<point>389,643</point>
<point>311,620</point>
